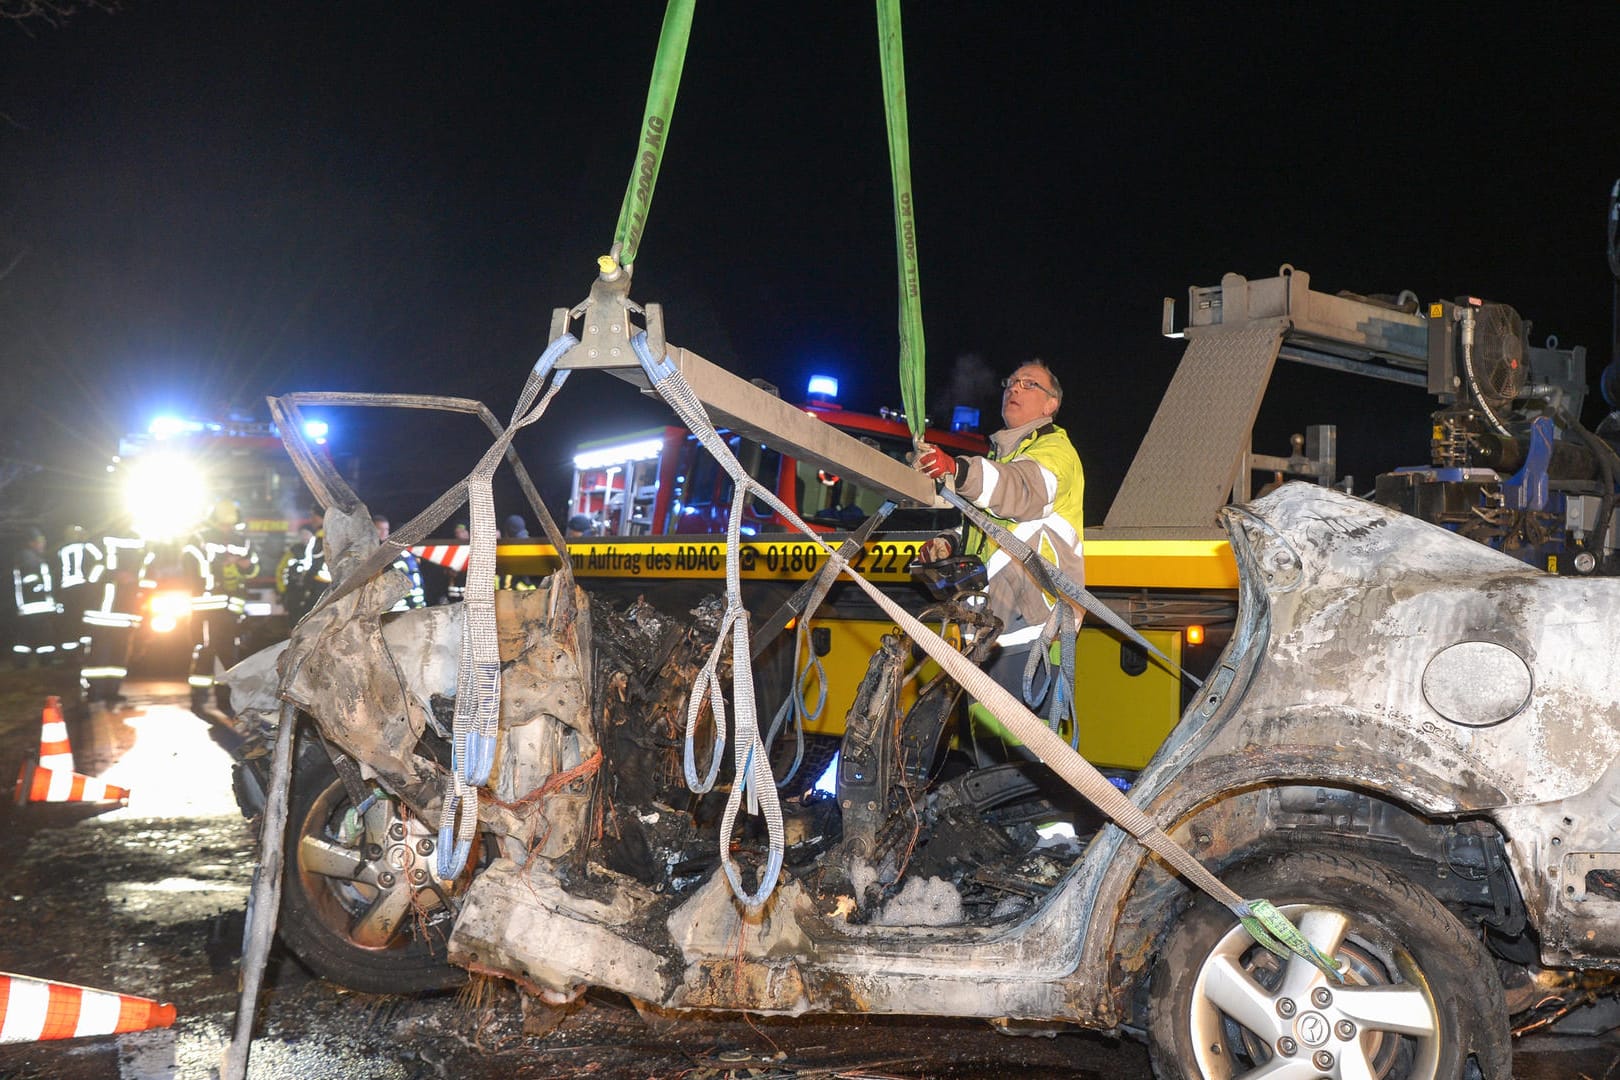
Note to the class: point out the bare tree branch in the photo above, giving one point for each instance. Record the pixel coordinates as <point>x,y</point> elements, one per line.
<point>12,265</point>
<point>52,12</point>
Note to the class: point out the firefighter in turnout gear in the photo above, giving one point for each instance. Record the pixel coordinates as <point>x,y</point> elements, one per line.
<point>307,575</point>
<point>113,617</point>
<point>406,563</point>
<point>220,563</point>
<point>36,610</point>
<point>455,589</point>
<point>80,564</point>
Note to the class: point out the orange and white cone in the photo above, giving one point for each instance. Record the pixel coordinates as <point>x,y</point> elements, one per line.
<point>32,1010</point>
<point>38,784</point>
<point>55,752</point>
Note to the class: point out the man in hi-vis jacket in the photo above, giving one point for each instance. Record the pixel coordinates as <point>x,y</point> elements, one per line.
<point>1032,483</point>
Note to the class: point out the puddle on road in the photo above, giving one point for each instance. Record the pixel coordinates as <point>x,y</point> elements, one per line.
<point>174,769</point>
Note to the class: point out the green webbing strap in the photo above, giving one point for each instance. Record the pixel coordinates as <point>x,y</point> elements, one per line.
<point>1268,926</point>
<point>913,366</point>
<point>1271,929</point>
<point>666,80</point>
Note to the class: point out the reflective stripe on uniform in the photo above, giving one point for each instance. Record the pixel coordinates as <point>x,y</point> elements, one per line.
<point>111,618</point>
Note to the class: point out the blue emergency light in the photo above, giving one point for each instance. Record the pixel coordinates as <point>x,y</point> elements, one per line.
<point>823,386</point>
<point>316,429</point>
<point>965,418</point>
<point>163,427</point>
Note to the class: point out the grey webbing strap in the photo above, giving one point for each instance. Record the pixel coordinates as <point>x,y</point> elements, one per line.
<point>753,769</point>
<point>1054,581</point>
<point>1060,627</point>
<point>476,719</point>
<point>802,606</point>
<point>808,597</point>
<point>1259,917</point>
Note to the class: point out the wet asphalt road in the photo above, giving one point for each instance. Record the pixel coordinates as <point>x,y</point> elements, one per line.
<point>148,900</point>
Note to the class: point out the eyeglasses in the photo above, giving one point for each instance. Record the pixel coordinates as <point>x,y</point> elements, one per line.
<point>1024,384</point>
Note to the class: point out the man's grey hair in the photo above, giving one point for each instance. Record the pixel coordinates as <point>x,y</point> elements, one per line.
<point>1051,376</point>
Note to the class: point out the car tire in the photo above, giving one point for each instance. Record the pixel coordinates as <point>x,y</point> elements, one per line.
<point>334,917</point>
<point>819,751</point>
<point>1222,1006</point>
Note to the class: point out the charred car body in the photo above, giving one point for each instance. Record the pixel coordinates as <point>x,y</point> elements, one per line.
<point>1409,746</point>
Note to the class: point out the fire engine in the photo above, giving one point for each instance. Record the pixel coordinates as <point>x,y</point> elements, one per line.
<point>659,481</point>
<point>169,478</point>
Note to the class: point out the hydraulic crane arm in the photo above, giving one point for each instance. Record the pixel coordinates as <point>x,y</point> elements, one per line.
<point>1189,461</point>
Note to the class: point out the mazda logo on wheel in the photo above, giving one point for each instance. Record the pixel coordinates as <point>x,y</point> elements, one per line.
<point>1313,1029</point>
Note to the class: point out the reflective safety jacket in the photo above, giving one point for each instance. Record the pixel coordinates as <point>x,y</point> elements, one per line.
<point>32,588</point>
<point>80,563</point>
<point>117,597</point>
<point>212,559</point>
<point>1033,484</point>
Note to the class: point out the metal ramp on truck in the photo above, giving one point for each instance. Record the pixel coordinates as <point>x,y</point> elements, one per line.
<point>1196,449</point>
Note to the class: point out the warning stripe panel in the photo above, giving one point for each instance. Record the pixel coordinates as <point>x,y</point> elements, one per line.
<point>452,557</point>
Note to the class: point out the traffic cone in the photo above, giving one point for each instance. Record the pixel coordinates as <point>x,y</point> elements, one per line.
<point>54,750</point>
<point>32,1010</point>
<point>38,784</point>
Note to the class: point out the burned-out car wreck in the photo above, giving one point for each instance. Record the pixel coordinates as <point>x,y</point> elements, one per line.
<point>1408,747</point>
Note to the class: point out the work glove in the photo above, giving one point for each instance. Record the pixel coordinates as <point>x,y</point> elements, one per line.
<point>937,464</point>
<point>940,547</point>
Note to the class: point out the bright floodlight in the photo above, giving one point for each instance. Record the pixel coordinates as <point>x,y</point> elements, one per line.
<point>165,496</point>
<point>823,386</point>
<point>316,429</point>
<point>640,450</point>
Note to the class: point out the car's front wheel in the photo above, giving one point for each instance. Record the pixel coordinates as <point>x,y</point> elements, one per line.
<point>1420,999</point>
<point>363,905</point>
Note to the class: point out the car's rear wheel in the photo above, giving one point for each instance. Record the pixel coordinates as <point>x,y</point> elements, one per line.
<point>1420,998</point>
<point>363,905</point>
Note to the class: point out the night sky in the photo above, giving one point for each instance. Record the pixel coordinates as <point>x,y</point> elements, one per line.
<point>202,203</point>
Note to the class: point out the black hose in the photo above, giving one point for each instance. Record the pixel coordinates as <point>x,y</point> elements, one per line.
<point>1608,463</point>
<point>1614,270</point>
